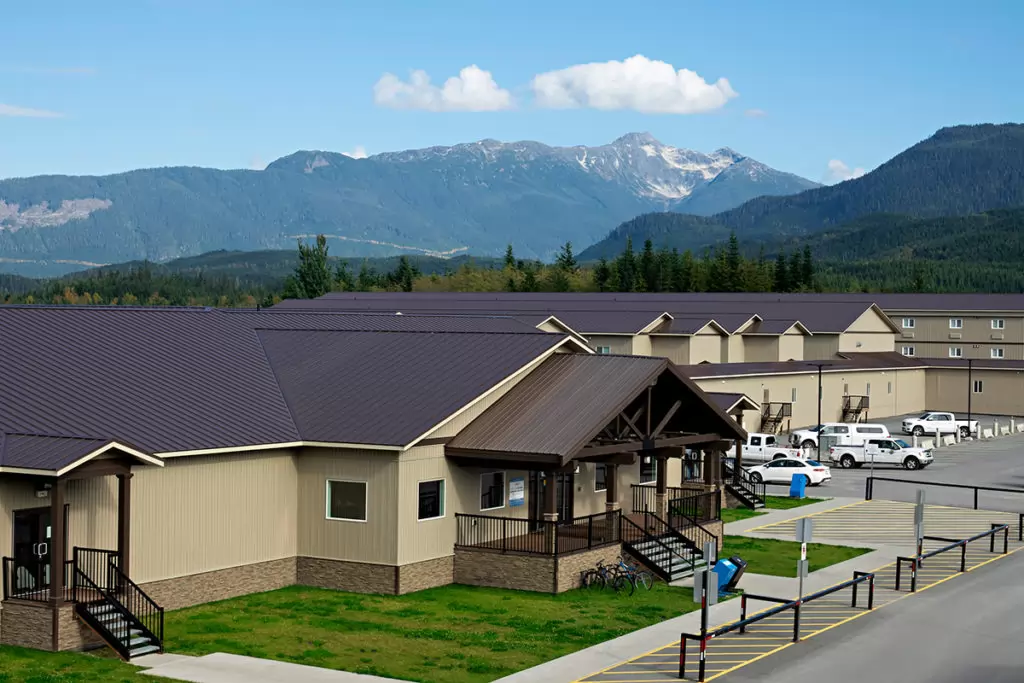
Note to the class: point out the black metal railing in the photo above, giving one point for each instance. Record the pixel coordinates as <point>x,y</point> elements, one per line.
<point>773,414</point>
<point>98,566</point>
<point>783,604</point>
<point>869,487</point>
<point>696,507</point>
<point>651,543</point>
<point>645,496</point>
<point>145,613</point>
<point>536,537</point>
<point>915,562</point>
<point>30,580</point>
<point>743,486</point>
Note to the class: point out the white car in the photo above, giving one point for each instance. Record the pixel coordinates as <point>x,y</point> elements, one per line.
<point>783,470</point>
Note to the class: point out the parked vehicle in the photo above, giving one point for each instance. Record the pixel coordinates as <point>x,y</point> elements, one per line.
<point>943,423</point>
<point>765,447</point>
<point>881,452</point>
<point>856,433</point>
<point>783,470</point>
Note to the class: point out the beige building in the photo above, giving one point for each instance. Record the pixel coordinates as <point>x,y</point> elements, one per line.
<point>155,459</point>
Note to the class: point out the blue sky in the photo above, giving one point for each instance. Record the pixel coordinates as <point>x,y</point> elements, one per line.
<point>106,86</point>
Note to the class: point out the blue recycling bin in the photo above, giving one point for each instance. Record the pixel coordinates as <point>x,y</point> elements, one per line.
<point>798,486</point>
<point>726,570</point>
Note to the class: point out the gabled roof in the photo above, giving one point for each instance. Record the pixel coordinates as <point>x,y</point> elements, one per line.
<point>776,328</point>
<point>731,402</point>
<point>59,454</point>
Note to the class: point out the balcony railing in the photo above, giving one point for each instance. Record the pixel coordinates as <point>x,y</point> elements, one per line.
<point>536,537</point>
<point>645,496</point>
<point>29,580</point>
<point>694,508</point>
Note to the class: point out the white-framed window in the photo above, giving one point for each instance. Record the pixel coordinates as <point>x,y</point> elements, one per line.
<point>956,323</point>
<point>867,389</point>
<point>956,352</point>
<point>792,395</point>
<point>431,500</point>
<point>908,323</point>
<point>600,477</point>
<point>889,388</point>
<point>998,324</point>
<point>492,491</point>
<point>979,386</point>
<point>908,351</point>
<point>604,349</point>
<point>995,353</point>
<point>346,500</point>
<point>648,469</point>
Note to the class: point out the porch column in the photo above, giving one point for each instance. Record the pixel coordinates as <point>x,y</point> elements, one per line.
<point>611,491</point>
<point>707,466</point>
<point>57,532</point>
<point>661,484</point>
<point>124,520</point>
<point>739,459</point>
<point>550,512</point>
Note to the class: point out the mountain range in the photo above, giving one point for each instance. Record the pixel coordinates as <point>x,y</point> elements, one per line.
<point>471,198</point>
<point>958,171</point>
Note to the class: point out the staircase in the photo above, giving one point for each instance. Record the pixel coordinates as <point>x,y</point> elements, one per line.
<point>114,607</point>
<point>855,408</point>
<point>773,415</point>
<point>669,554</point>
<point>742,487</point>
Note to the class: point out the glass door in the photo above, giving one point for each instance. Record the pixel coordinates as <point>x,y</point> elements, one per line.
<point>32,533</point>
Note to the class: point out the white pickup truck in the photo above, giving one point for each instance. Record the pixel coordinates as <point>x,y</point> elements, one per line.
<point>881,452</point>
<point>765,447</point>
<point>943,423</point>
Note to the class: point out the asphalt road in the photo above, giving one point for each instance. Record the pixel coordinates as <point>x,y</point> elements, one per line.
<point>966,629</point>
<point>997,463</point>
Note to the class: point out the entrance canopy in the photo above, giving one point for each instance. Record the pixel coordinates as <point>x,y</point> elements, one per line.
<point>64,456</point>
<point>594,407</point>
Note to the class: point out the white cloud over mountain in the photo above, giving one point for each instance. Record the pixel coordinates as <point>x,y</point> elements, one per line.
<point>837,171</point>
<point>472,90</point>
<point>358,153</point>
<point>637,83</point>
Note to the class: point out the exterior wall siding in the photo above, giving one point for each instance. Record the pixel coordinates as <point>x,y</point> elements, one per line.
<point>931,335</point>
<point>675,348</point>
<point>423,575</point>
<point>223,584</point>
<point>621,344</point>
<point>735,349</point>
<point>642,345</point>
<point>204,513</point>
<point>518,572</point>
<point>706,346</point>
<point>354,577</point>
<point>1002,391</point>
<point>760,348</point>
<point>431,538</point>
<point>27,625</point>
<point>372,541</point>
<point>821,347</point>
<point>791,346</point>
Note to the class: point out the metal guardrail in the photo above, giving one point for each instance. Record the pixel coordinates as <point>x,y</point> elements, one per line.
<point>869,487</point>
<point>784,604</point>
<point>915,562</point>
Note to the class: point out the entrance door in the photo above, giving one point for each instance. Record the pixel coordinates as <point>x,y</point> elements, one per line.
<point>564,487</point>
<point>31,550</point>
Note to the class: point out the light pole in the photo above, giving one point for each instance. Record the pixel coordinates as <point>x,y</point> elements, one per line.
<point>819,366</point>
<point>970,389</point>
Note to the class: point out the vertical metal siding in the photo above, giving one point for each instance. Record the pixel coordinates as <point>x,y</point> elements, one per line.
<point>676,349</point>
<point>203,513</point>
<point>431,538</point>
<point>373,541</point>
<point>706,346</point>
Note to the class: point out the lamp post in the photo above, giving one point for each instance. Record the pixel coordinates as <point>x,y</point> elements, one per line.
<point>819,366</point>
<point>970,389</point>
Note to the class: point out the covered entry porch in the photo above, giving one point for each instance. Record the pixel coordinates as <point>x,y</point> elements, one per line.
<point>49,568</point>
<point>627,422</point>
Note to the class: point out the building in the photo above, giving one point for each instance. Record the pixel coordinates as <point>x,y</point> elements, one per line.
<point>153,459</point>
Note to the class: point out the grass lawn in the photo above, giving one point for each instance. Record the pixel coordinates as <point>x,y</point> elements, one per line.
<point>454,634</point>
<point>778,558</point>
<point>771,503</point>
<point>18,665</point>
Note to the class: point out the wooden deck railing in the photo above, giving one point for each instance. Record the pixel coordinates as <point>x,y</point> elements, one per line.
<point>536,537</point>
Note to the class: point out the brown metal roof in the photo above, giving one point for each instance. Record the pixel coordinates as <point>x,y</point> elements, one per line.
<point>35,452</point>
<point>389,388</point>
<point>884,360</point>
<point>727,401</point>
<point>570,398</point>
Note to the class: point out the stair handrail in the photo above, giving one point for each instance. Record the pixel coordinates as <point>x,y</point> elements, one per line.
<point>741,479</point>
<point>117,642</point>
<point>649,537</point>
<point>694,524</point>
<point>140,598</point>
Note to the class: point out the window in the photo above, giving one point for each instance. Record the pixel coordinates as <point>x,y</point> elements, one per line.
<point>755,441</point>
<point>648,469</point>
<point>978,386</point>
<point>956,352</point>
<point>793,395</point>
<point>869,430</point>
<point>996,353</point>
<point>769,441</point>
<point>600,478</point>
<point>492,491</point>
<point>908,351</point>
<point>346,500</point>
<point>867,390</point>
<point>956,323</point>
<point>908,323</point>
<point>604,349</point>
<point>846,389</point>
<point>998,324</point>
<point>431,500</point>
<point>889,388</point>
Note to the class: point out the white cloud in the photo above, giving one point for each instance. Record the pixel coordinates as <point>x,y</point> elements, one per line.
<point>358,153</point>
<point>637,83</point>
<point>257,164</point>
<point>838,171</point>
<point>472,90</point>
<point>11,110</point>
<point>755,113</point>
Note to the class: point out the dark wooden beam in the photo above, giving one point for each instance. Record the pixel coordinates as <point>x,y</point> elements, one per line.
<point>664,421</point>
<point>56,541</point>
<point>124,521</point>
<point>634,446</point>
<point>614,459</point>
<point>98,468</point>
<point>550,490</point>
<point>650,408</point>
<point>632,425</point>
<point>611,478</point>
<point>506,462</point>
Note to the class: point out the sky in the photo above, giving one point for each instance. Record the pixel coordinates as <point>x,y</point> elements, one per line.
<point>826,90</point>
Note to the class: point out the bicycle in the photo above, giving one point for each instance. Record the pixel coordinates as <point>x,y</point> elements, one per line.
<point>632,575</point>
<point>599,577</point>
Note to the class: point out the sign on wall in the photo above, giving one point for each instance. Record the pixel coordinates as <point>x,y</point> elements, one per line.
<point>516,491</point>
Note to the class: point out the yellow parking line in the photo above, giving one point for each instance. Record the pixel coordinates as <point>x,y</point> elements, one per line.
<point>813,514</point>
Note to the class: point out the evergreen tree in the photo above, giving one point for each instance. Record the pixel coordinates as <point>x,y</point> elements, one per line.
<point>343,278</point>
<point>367,278</point>
<point>682,281</point>
<point>781,283</point>
<point>733,263</point>
<point>647,268</point>
<point>602,276</point>
<point>625,268</point>
<point>312,277</point>
<point>796,281</point>
<point>807,268</point>
<point>566,261</point>
<point>405,274</point>
<point>510,258</point>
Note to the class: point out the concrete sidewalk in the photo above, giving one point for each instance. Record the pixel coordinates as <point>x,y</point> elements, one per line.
<point>572,667</point>
<point>224,668</point>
